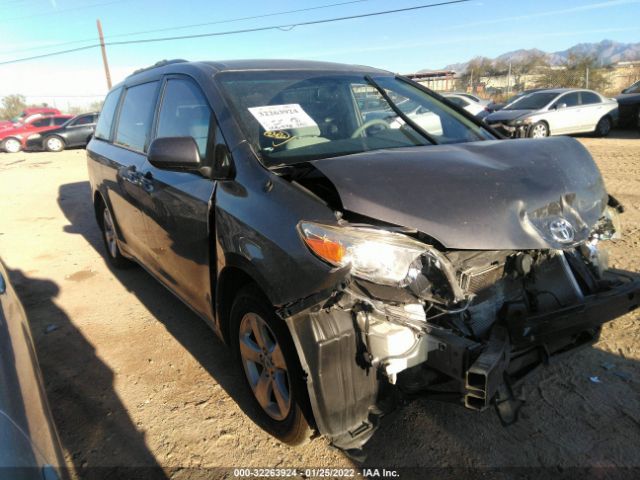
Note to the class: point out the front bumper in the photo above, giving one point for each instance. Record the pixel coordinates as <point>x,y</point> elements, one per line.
<point>347,392</point>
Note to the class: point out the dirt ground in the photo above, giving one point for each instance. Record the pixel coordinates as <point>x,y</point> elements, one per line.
<point>135,379</point>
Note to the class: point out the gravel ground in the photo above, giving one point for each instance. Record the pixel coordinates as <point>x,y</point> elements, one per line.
<point>135,379</point>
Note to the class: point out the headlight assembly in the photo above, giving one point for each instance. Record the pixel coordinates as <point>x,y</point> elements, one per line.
<point>385,258</point>
<point>375,255</point>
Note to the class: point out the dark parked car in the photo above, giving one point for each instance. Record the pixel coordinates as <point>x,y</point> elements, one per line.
<point>74,133</point>
<point>629,105</point>
<point>351,262</point>
<point>29,444</point>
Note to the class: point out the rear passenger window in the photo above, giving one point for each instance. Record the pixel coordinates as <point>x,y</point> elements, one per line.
<point>185,113</point>
<point>136,115</point>
<point>105,120</point>
<point>570,99</point>
<point>59,121</point>
<point>589,98</point>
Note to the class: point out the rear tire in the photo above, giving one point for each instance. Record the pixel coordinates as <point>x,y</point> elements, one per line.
<point>110,238</point>
<point>54,144</point>
<point>269,364</point>
<point>538,130</point>
<point>11,145</point>
<point>603,128</point>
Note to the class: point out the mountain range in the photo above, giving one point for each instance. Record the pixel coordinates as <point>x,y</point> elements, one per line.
<point>606,52</point>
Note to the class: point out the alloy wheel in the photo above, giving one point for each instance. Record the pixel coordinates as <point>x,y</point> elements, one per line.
<point>54,144</point>
<point>109,233</point>
<point>264,366</point>
<point>539,131</point>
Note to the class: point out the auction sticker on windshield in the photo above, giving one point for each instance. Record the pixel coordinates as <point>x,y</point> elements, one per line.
<point>282,117</point>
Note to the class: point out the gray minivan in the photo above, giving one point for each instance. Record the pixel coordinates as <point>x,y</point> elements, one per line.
<point>354,258</point>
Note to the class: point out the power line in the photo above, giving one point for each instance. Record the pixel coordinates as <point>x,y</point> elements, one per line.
<point>285,27</point>
<point>182,27</point>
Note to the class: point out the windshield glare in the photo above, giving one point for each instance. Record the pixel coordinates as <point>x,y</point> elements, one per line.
<point>292,117</point>
<point>533,101</point>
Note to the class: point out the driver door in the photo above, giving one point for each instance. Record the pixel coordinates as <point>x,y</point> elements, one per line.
<point>565,119</point>
<point>176,207</point>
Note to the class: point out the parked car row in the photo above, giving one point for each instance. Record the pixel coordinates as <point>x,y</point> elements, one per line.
<point>541,112</point>
<point>51,132</point>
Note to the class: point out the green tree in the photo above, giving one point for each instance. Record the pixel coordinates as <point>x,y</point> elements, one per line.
<point>12,106</point>
<point>578,71</point>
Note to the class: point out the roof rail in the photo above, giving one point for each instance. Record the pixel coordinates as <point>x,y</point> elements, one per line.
<point>161,63</point>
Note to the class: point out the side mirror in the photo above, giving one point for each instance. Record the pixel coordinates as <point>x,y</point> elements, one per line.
<point>175,153</point>
<point>559,106</point>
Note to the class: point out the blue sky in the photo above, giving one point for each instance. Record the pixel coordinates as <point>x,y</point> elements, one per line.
<point>403,42</point>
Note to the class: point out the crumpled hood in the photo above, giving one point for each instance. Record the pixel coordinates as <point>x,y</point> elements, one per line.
<point>506,115</point>
<point>489,195</point>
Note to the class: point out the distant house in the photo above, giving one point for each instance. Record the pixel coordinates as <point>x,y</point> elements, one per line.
<point>437,80</point>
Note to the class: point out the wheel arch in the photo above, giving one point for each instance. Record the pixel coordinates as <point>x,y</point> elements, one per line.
<point>230,280</point>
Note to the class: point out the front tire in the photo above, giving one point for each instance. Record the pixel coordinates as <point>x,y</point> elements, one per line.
<point>539,130</point>
<point>270,366</point>
<point>11,145</point>
<point>54,144</point>
<point>109,236</point>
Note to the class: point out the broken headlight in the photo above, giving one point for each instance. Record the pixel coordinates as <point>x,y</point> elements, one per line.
<point>379,256</point>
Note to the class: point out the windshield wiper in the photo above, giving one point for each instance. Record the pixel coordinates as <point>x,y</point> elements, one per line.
<point>399,112</point>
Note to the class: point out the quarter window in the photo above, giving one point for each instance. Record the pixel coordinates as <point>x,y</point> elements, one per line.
<point>589,98</point>
<point>136,115</point>
<point>185,113</point>
<point>105,120</point>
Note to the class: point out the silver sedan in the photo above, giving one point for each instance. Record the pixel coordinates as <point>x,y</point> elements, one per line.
<point>559,111</point>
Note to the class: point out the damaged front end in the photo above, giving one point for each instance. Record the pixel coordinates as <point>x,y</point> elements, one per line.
<point>410,318</point>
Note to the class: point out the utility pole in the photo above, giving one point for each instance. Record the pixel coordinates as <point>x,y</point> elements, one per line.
<point>509,80</point>
<point>104,54</point>
<point>587,78</point>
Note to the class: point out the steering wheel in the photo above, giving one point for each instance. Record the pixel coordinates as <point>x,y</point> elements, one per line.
<point>361,129</point>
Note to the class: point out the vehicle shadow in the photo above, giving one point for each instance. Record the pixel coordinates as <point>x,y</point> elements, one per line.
<point>568,419</point>
<point>185,326</point>
<point>80,391</point>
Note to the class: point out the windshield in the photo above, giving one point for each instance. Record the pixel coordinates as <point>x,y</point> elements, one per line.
<point>292,117</point>
<point>534,101</point>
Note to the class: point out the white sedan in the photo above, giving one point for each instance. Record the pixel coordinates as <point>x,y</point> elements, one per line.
<point>559,111</point>
<point>471,106</point>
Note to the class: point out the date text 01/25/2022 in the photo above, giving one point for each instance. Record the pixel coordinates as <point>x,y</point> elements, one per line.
<point>315,472</point>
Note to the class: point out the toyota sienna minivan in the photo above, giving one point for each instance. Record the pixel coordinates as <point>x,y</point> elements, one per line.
<point>355,238</point>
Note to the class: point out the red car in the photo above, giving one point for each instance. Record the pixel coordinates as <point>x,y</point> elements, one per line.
<point>13,140</point>
<point>28,112</point>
